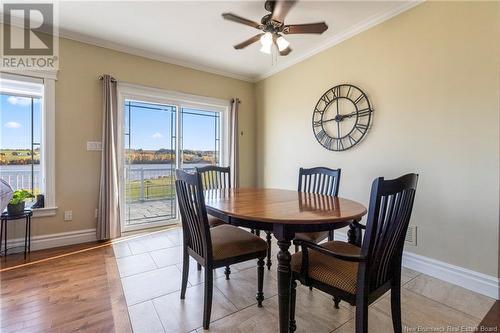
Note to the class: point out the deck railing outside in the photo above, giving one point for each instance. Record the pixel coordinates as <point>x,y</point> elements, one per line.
<point>21,179</point>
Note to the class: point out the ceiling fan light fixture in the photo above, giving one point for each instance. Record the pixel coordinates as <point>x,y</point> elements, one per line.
<point>266,48</point>
<point>266,40</point>
<point>282,43</point>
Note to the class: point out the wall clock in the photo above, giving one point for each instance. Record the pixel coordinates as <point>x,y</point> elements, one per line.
<point>342,117</point>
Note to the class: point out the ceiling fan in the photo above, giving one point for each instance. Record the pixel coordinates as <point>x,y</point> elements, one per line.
<point>273,27</point>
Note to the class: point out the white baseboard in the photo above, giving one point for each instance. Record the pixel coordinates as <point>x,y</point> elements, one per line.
<point>478,282</point>
<point>55,240</point>
<point>481,283</point>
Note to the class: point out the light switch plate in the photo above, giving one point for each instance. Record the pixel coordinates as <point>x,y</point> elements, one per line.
<point>94,145</point>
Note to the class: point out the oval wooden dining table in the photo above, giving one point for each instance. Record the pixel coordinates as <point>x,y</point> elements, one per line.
<point>285,213</point>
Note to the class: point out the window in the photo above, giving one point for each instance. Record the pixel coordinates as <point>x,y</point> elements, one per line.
<point>200,137</point>
<point>163,131</point>
<point>26,145</point>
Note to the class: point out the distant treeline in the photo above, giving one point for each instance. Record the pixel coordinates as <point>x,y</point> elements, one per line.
<point>19,156</point>
<point>162,156</point>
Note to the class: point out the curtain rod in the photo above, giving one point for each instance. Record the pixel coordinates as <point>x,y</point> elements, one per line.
<point>102,77</point>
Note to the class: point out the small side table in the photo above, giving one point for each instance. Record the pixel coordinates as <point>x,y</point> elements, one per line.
<point>5,218</point>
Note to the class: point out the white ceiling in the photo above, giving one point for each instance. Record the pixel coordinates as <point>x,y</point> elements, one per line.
<point>193,33</point>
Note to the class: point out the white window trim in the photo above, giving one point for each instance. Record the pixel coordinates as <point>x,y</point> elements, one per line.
<point>48,135</point>
<point>128,91</point>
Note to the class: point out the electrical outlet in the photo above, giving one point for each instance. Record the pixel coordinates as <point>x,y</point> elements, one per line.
<point>411,235</point>
<point>96,213</point>
<point>68,215</point>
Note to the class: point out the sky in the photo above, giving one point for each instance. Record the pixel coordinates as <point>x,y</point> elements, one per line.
<point>15,122</point>
<point>152,126</point>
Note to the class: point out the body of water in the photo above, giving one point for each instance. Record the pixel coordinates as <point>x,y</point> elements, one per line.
<point>19,176</point>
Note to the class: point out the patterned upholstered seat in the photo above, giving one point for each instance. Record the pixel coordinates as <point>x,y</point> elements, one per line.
<point>337,273</point>
<point>229,241</point>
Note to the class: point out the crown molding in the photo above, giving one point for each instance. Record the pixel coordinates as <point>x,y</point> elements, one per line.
<point>344,35</point>
<point>145,54</point>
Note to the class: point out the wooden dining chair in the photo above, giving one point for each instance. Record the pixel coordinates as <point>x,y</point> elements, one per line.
<point>362,275</point>
<point>319,180</point>
<point>215,247</point>
<point>215,177</point>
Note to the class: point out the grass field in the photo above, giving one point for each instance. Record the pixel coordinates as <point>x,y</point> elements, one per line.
<point>154,189</point>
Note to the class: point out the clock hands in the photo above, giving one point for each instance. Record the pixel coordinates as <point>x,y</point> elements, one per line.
<point>340,117</point>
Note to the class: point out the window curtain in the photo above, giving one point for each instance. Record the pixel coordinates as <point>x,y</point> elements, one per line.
<point>233,142</point>
<point>108,221</point>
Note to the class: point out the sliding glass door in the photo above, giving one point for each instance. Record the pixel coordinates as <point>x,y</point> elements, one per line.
<point>162,134</point>
<point>149,163</point>
<point>200,138</point>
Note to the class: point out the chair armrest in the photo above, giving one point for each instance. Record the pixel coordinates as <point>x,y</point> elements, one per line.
<point>357,224</point>
<point>316,247</point>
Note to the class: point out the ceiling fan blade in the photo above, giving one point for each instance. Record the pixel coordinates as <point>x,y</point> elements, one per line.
<point>248,42</point>
<point>286,51</point>
<point>281,9</point>
<point>311,28</point>
<point>239,19</point>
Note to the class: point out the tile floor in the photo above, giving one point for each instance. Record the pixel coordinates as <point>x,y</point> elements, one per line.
<point>150,269</point>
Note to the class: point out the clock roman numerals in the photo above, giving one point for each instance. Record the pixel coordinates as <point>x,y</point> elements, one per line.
<point>326,99</point>
<point>364,112</point>
<point>342,117</point>
<point>317,123</point>
<point>359,99</point>
<point>335,91</point>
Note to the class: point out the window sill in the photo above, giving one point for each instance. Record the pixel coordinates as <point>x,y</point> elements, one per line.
<point>44,212</point>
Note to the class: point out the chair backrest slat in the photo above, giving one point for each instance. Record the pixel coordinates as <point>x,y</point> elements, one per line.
<point>193,213</point>
<point>215,177</point>
<point>391,204</point>
<point>319,180</point>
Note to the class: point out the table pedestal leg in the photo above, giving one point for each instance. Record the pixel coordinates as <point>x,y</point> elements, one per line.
<point>284,237</point>
<point>284,279</point>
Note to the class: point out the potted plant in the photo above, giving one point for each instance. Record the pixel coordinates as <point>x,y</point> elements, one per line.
<point>17,203</point>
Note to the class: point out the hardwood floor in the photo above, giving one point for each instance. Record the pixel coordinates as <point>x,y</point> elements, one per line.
<point>16,260</point>
<point>72,289</point>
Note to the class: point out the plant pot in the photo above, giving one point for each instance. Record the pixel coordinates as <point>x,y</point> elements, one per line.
<point>15,209</point>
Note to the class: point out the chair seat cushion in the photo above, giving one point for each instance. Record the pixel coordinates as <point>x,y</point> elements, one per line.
<point>337,273</point>
<point>213,221</point>
<point>229,241</point>
<point>314,237</point>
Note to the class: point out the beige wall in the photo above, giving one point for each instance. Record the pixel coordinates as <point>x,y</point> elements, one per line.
<point>78,120</point>
<point>432,75</point>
